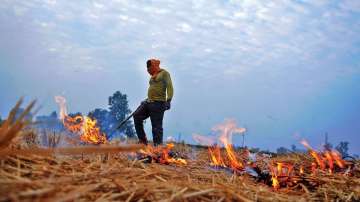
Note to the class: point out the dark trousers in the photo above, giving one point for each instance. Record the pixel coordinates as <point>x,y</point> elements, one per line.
<point>154,110</point>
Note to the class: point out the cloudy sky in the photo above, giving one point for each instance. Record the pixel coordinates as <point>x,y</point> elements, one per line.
<point>283,69</point>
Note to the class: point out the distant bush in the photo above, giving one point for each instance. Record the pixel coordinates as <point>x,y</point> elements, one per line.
<point>50,138</point>
<point>343,148</point>
<point>30,138</point>
<point>282,150</point>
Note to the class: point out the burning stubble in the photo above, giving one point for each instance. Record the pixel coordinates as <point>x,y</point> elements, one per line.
<point>83,126</point>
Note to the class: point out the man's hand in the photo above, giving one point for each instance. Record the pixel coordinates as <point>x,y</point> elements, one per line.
<point>143,102</point>
<point>168,105</point>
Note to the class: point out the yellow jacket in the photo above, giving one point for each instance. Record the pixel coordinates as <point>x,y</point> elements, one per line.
<point>159,86</point>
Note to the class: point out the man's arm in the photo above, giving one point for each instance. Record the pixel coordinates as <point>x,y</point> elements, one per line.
<point>169,87</point>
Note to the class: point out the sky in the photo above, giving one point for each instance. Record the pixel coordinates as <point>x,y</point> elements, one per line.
<point>283,69</point>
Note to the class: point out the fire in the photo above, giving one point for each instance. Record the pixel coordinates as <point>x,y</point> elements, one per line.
<point>227,129</point>
<point>167,159</point>
<point>327,158</point>
<point>73,124</point>
<point>337,156</point>
<point>215,156</point>
<point>278,174</point>
<point>84,126</point>
<point>161,155</point>
<point>275,182</point>
<point>281,170</point>
<point>301,169</point>
<point>91,133</point>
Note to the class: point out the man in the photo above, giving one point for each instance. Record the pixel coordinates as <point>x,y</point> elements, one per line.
<point>160,93</point>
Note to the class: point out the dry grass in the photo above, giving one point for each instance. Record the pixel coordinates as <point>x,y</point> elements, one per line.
<point>88,175</point>
<point>117,177</point>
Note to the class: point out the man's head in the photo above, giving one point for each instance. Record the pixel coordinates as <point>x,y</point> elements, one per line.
<point>153,66</point>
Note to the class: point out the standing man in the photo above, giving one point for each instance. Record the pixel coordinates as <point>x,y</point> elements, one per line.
<point>160,93</point>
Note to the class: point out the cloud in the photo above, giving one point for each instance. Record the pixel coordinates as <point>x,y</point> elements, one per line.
<point>246,33</point>
<point>350,5</point>
<point>234,48</point>
<point>184,27</point>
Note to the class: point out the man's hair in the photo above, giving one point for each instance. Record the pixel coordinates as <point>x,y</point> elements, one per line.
<point>148,63</point>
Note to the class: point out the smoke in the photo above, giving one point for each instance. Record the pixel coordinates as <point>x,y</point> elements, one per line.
<point>227,129</point>
<point>61,101</point>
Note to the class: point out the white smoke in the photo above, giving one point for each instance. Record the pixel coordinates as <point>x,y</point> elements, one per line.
<point>61,101</point>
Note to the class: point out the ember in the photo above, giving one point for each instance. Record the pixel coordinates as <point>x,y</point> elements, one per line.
<point>160,154</point>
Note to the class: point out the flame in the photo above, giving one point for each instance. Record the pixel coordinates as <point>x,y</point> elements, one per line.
<point>281,169</point>
<point>84,126</point>
<point>319,160</point>
<point>275,182</point>
<point>282,173</point>
<point>91,133</point>
<point>301,169</point>
<point>161,154</point>
<point>73,124</point>
<point>274,175</point>
<point>227,129</point>
<point>330,161</point>
<point>327,158</point>
<point>313,167</point>
<point>167,159</point>
<point>338,159</point>
<point>215,156</point>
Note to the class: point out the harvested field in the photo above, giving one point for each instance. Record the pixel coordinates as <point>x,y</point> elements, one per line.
<point>115,177</point>
<point>112,172</point>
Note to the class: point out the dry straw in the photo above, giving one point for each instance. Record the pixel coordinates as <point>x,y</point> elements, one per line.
<point>109,174</point>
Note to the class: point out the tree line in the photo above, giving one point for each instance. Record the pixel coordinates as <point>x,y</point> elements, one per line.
<point>107,119</point>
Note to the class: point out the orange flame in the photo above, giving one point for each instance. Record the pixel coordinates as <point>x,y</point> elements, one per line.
<point>275,182</point>
<point>330,161</point>
<point>81,125</point>
<point>338,159</point>
<point>227,129</point>
<point>215,156</point>
<point>91,133</point>
<point>319,160</point>
<point>73,124</point>
<point>281,169</point>
<point>327,158</point>
<point>301,169</point>
<point>161,154</point>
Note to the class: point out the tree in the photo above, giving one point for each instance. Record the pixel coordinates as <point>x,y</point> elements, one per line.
<point>49,122</point>
<point>1,121</point>
<point>103,118</point>
<point>327,146</point>
<point>28,116</point>
<point>343,148</point>
<point>75,114</point>
<point>282,150</point>
<point>119,109</point>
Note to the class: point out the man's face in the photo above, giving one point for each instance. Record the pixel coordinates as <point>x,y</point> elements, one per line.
<point>151,68</point>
